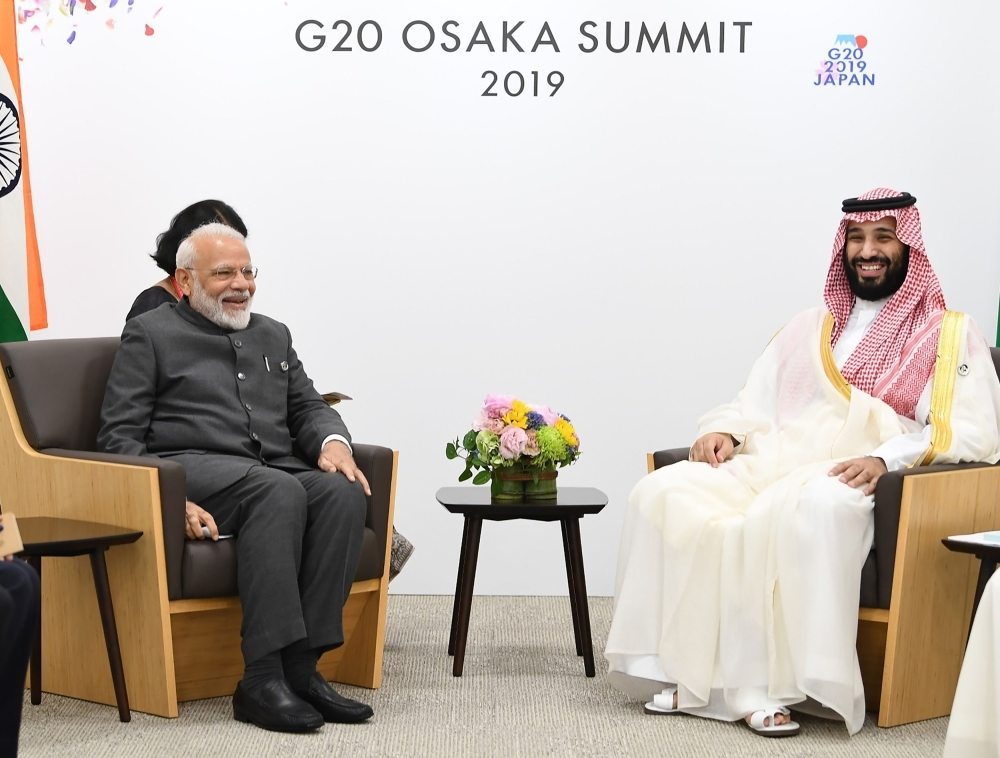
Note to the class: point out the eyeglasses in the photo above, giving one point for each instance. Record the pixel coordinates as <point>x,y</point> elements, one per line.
<point>227,273</point>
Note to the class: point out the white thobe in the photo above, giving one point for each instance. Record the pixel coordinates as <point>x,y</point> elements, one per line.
<point>974,727</point>
<point>740,584</point>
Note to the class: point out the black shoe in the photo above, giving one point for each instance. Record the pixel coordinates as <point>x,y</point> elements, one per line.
<point>334,707</point>
<point>275,707</point>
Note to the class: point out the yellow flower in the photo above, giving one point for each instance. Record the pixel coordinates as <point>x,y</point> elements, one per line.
<point>568,432</point>
<point>517,415</point>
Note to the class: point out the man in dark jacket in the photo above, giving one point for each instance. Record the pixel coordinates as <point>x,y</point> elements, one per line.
<point>20,594</point>
<point>221,391</point>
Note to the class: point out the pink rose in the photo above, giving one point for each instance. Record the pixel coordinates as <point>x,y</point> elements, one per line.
<point>496,425</point>
<point>550,416</point>
<point>512,442</point>
<point>481,421</point>
<point>497,405</point>
<point>531,446</point>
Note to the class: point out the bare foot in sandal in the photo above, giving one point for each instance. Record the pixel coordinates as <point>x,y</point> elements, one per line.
<point>779,717</point>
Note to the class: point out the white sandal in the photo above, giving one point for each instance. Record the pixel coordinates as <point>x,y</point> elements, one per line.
<point>663,704</point>
<point>758,719</point>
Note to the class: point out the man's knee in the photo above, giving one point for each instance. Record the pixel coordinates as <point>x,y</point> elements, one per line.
<point>280,495</point>
<point>21,580</point>
<point>340,494</point>
<point>830,494</point>
<point>21,591</point>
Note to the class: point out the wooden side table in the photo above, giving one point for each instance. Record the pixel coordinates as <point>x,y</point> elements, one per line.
<point>988,555</point>
<point>476,504</point>
<point>45,537</point>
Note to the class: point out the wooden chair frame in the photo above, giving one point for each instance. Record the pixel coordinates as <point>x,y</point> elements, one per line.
<point>911,654</point>
<point>172,651</point>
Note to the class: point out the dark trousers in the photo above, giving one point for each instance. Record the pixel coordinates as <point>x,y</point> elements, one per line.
<point>20,594</point>
<point>298,541</point>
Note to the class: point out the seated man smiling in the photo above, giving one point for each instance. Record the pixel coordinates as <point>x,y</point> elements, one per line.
<point>221,391</point>
<point>739,571</point>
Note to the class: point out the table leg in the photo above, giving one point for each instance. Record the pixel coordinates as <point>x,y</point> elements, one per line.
<point>100,569</point>
<point>458,587</point>
<point>580,582</point>
<point>986,569</point>
<point>35,561</point>
<point>468,583</point>
<point>572,590</point>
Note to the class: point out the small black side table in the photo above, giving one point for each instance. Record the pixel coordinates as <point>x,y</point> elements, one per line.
<point>45,537</point>
<point>988,555</point>
<point>476,504</point>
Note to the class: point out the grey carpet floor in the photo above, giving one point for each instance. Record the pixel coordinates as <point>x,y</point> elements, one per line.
<point>523,694</point>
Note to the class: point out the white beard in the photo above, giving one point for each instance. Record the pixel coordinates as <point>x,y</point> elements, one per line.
<point>213,309</point>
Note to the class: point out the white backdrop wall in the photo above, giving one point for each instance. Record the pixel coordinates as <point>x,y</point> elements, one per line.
<point>621,250</point>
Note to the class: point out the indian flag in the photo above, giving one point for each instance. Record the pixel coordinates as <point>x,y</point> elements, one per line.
<point>22,293</point>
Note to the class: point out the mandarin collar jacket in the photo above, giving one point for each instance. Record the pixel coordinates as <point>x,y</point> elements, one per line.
<point>218,401</point>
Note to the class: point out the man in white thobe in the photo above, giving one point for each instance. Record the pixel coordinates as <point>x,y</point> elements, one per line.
<point>974,726</point>
<point>739,571</point>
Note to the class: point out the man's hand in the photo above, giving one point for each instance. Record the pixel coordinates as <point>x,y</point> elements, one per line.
<point>194,518</point>
<point>860,471</point>
<point>712,448</point>
<point>336,456</point>
<point>4,557</point>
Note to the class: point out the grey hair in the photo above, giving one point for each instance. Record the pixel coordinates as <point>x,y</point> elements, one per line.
<point>186,252</point>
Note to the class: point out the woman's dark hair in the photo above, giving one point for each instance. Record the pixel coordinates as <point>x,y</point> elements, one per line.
<point>185,222</point>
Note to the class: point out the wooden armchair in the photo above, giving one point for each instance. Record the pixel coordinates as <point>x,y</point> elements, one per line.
<point>175,600</point>
<point>916,596</point>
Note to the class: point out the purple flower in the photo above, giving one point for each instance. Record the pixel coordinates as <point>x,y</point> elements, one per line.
<point>535,420</point>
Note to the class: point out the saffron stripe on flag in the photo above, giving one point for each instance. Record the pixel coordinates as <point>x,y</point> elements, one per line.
<point>30,293</point>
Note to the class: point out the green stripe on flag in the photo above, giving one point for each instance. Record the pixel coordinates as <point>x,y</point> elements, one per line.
<point>10,325</point>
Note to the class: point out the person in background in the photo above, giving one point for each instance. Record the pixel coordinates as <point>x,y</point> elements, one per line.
<point>20,594</point>
<point>200,213</point>
<point>167,291</point>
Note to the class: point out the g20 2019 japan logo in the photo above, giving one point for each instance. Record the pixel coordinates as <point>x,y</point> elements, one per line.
<point>845,63</point>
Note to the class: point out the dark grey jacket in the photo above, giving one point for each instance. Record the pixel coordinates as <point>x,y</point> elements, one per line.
<point>184,388</point>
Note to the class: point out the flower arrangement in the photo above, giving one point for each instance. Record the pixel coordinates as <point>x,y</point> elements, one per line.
<point>511,437</point>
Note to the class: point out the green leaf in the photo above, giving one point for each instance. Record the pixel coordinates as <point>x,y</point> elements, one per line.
<point>482,477</point>
<point>451,451</point>
<point>465,476</point>
<point>469,442</point>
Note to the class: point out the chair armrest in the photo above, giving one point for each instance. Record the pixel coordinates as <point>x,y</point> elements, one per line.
<point>376,463</point>
<point>173,496</point>
<point>663,458</point>
<point>888,498</point>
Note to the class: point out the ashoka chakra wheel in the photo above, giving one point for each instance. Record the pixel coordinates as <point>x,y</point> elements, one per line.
<point>10,146</point>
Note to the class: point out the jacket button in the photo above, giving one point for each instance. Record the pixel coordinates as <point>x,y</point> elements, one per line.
<point>254,435</point>
<point>248,406</point>
<point>241,376</point>
<point>238,343</point>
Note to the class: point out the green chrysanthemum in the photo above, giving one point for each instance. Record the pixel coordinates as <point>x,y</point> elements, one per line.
<point>551,447</point>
